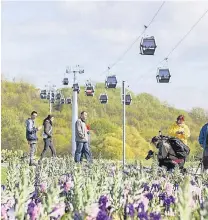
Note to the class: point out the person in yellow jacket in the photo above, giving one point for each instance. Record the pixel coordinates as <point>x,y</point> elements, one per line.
<point>180,130</point>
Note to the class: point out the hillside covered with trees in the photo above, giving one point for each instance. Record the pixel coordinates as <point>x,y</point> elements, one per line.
<point>144,118</point>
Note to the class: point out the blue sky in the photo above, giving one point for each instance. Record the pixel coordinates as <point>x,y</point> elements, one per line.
<point>39,39</point>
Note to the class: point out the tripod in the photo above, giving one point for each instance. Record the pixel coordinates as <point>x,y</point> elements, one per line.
<point>200,165</point>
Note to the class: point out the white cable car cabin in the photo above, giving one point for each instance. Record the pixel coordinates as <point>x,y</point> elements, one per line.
<point>128,99</point>
<point>62,101</point>
<point>43,96</point>
<point>89,90</point>
<point>147,46</point>
<point>58,96</point>
<point>163,75</point>
<point>68,101</point>
<point>111,82</point>
<point>43,92</point>
<point>48,96</point>
<point>52,100</point>
<point>65,81</point>
<point>103,98</point>
<point>76,87</point>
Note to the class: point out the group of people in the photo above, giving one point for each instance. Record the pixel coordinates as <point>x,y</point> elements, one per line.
<point>82,137</point>
<point>166,154</point>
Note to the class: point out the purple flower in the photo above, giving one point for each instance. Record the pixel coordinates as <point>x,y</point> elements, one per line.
<point>167,202</point>
<point>130,210</point>
<point>33,210</point>
<point>149,196</point>
<point>176,185</point>
<point>162,196</point>
<point>142,216</point>
<point>102,202</point>
<point>172,199</point>
<point>140,206</point>
<point>102,215</point>
<point>3,187</point>
<point>77,216</point>
<point>155,187</point>
<point>192,183</point>
<point>146,187</point>
<point>155,216</point>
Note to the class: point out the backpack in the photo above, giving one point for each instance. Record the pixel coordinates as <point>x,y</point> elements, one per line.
<point>181,150</point>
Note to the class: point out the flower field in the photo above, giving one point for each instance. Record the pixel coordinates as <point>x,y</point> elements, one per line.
<point>60,189</point>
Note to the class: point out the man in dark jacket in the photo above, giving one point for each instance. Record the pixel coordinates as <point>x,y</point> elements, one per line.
<point>166,154</point>
<point>31,135</point>
<point>203,141</point>
<point>47,136</point>
<point>82,145</point>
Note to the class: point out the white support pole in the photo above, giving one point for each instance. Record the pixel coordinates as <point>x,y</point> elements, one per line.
<point>124,122</point>
<point>74,119</point>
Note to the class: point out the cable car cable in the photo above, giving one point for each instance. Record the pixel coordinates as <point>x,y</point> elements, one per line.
<point>127,50</point>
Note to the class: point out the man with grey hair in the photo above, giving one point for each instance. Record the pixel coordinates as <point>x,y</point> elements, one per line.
<point>81,134</point>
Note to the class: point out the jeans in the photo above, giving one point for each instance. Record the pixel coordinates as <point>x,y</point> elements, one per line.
<point>82,147</point>
<point>48,144</point>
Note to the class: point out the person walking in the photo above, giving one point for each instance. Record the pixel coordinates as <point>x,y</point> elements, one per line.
<point>47,136</point>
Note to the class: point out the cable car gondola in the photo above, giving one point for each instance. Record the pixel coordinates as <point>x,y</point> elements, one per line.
<point>111,82</point>
<point>103,98</point>
<point>76,87</point>
<point>52,100</point>
<point>42,96</point>
<point>89,90</point>
<point>163,75</point>
<point>147,46</point>
<point>128,99</point>
<point>48,96</point>
<point>58,96</point>
<point>65,81</point>
<point>62,101</point>
<point>44,92</point>
<point>68,101</point>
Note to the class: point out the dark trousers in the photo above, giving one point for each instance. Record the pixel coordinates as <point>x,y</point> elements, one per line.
<point>169,165</point>
<point>205,158</point>
<point>48,144</point>
<point>82,148</point>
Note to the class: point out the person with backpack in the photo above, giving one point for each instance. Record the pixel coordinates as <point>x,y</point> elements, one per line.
<point>167,156</point>
<point>47,136</point>
<point>31,135</point>
<point>180,130</point>
<point>203,141</point>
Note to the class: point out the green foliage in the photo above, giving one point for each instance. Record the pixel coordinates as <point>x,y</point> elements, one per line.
<point>144,118</point>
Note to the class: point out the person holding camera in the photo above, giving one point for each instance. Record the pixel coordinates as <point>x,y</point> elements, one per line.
<point>180,130</point>
<point>203,141</point>
<point>166,155</point>
<point>31,135</point>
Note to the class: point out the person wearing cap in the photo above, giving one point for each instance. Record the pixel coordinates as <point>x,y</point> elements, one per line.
<point>180,130</point>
